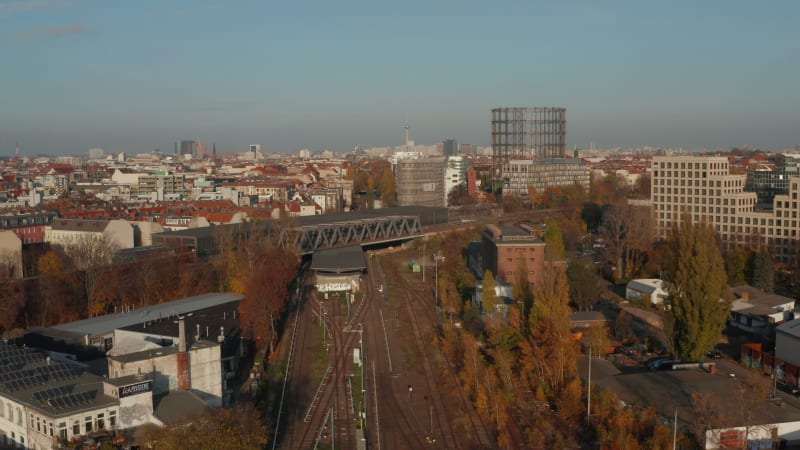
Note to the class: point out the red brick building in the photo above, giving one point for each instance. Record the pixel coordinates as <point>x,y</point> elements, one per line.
<point>509,249</point>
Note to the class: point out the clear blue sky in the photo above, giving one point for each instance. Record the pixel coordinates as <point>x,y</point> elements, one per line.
<point>138,75</point>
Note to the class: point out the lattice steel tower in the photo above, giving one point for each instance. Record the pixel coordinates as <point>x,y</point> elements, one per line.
<point>527,133</point>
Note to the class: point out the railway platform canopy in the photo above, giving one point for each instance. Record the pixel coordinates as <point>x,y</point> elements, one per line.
<point>338,269</point>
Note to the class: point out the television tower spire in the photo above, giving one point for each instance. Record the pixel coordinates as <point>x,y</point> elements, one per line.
<point>408,131</point>
<point>17,149</point>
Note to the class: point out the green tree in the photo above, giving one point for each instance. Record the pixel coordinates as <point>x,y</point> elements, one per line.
<point>489,297</point>
<point>555,242</point>
<point>695,278</point>
<point>763,271</point>
<point>583,281</point>
<point>736,266</point>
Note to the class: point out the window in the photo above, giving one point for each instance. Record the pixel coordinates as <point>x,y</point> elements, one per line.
<point>112,418</point>
<point>76,428</point>
<point>88,423</point>
<point>101,422</point>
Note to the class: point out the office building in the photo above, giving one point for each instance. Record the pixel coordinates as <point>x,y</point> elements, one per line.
<point>187,148</point>
<point>420,181</point>
<point>450,147</point>
<point>704,187</point>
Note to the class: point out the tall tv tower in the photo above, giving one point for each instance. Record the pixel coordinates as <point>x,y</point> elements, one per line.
<point>16,152</point>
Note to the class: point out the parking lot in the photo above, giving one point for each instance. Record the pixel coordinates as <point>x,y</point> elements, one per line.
<point>730,388</point>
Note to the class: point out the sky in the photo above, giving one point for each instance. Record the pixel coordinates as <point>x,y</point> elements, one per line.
<point>138,75</point>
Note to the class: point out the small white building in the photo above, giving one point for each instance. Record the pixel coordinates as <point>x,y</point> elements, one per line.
<point>503,291</point>
<point>644,290</point>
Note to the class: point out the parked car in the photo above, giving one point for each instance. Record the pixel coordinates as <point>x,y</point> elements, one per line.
<point>660,364</point>
<point>714,354</point>
<point>794,390</point>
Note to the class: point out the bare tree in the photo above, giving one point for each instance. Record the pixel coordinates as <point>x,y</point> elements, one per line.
<point>628,231</point>
<point>89,254</point>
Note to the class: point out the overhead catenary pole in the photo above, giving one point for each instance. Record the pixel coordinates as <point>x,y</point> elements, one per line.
<point>589,387</point>
<point>675,430</point>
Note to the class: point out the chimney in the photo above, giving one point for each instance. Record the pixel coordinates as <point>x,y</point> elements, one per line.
<point>181,335</point>
<point>745,296</point>
<point>184,381</point>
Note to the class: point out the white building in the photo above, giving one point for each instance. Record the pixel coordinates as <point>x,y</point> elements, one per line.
<point>646,290</point>
<point>67,232</point>
<point>455,173</point>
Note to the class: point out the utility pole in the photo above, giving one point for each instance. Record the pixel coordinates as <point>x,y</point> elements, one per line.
<point>589,387</point>
<point>424,248</point>
<point>675,430</point>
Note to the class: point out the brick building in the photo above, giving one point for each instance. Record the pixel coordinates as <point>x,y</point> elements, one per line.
<point>509,249</point>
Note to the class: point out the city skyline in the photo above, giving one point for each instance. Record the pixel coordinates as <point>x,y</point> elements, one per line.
<point>134,77</point>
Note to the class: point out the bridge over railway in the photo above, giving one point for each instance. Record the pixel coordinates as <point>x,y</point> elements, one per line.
<point>309,233</point>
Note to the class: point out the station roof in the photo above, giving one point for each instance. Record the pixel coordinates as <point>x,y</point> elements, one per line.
<point>106,324</point>
<point>339,260</point>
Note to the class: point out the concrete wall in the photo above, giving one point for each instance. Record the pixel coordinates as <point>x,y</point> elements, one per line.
<point>205,370</point>
<point>120,234</point>
<point>163,369</point>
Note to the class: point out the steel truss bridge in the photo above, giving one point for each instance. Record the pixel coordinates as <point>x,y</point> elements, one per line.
<point>305,235</point>
<point>305,239</point>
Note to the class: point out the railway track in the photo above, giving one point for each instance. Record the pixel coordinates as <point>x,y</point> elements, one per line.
<point>418,308</point>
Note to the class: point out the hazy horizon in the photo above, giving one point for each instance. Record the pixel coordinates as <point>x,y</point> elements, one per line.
<point>138,76</point>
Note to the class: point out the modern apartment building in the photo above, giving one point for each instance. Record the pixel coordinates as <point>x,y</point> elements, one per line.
<point>520,175</point>
<point>704,187</point>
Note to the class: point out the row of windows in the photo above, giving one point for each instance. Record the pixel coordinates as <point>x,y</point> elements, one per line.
<point>690,165</point>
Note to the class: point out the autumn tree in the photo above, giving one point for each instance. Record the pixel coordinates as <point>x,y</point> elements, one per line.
<point>240,428</point>
<point>489,296</point>
<point>550,350</point>
<point>89,254</point>
<point>12,301</point>
<point>266,288</point>
<point>763,272</point>
<point>56,297</point>
<point>522,286</point>
<point>554,240</point>
<point>583,283</point>
<point>695,278</point>
<point>609,190</point>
